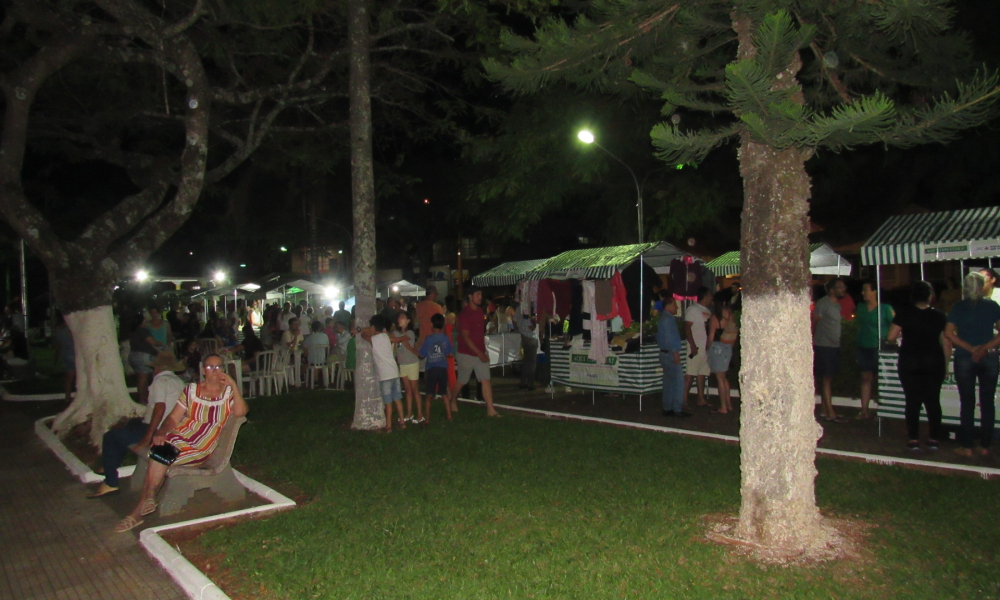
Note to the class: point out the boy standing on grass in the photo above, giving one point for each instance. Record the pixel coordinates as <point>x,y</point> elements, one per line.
<point>386,369</point>
<point>435,349</point>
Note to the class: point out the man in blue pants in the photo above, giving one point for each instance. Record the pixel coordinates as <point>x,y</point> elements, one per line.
<point>668,338</point>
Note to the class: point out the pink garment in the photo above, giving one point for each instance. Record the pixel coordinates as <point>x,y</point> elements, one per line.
<point>599,349</point>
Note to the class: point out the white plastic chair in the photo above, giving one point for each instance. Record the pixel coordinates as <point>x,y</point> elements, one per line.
<point>316,355</point>
<point>263,376</point>
<point>279,369</point>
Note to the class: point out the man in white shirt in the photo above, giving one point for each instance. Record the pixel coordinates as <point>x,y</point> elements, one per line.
<point>164,391</point>
<point>696,331</point>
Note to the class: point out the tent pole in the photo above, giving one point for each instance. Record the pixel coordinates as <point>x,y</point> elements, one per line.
<point>878,291</point>
<point>961,276</point>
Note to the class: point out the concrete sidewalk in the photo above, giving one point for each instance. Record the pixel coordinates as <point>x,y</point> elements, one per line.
<point>55,543</point>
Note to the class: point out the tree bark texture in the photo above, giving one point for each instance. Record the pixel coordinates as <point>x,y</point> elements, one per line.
<point>84,270</point>
<point>778,431</point>
<point>368,412</point>
<point>101,395</point>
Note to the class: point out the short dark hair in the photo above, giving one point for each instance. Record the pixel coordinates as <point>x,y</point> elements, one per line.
<point>991,272</point>
<point>701,293</point>
<point>921,291</point>
<point>316,326</point>
<point>437,321</point>
<point>377,323</point>
<point>829,285</point>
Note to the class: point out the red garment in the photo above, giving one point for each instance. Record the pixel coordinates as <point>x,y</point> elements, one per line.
<point>619,302</point>
<point>473,320</point>
<point>449,330</point>
<point>563,292</point>
<point>847,307</point>
<point>332,336</point>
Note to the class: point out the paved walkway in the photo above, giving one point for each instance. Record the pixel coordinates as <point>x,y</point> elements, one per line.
<point>54,543</point>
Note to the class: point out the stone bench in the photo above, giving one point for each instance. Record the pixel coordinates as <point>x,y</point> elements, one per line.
<point>215,474</point>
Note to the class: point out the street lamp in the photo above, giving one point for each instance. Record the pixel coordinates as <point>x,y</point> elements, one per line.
<point>219,277</point>
<point>587,137</point>
<point>141,275</point>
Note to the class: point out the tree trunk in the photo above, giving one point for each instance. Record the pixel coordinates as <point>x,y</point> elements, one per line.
<point>368,413</point>
<point>101,395</point>
<point>778,431</point>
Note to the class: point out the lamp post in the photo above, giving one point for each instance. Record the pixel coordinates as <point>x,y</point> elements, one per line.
<point>587,137</point>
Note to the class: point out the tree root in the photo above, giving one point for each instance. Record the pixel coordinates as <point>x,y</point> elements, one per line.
<point>839,539</point>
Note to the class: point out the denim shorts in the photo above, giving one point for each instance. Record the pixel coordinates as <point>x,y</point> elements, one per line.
<point>867,359</point>
<point>140,362</point>
<point>390,390</point>
<point>719,357</point>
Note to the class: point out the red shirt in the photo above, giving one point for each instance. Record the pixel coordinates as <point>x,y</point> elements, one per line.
<point>473,320</point>
<point>332,336</point>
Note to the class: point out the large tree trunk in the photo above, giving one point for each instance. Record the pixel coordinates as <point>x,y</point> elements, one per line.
<point>101,395</point>
<point>778,431</point>
<point>368,412</point>
<point>83,292</point>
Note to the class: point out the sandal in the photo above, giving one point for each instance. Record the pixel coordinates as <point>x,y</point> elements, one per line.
<point>127,524</point>
<point>913,446</point>
<point>148,507</point>
<point>495,416</point>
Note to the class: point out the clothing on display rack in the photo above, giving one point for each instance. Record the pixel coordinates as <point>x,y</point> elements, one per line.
<point>685,278</point>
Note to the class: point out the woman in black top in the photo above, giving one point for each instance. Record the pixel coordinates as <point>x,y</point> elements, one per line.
<point>924,354</point>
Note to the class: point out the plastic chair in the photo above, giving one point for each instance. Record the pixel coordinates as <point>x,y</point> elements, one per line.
<point>178,348</point>
<point>279,369</point>
<point>208,346</point>
<point>263,377</point>
<point>343,374</point>
<point>316,355</point>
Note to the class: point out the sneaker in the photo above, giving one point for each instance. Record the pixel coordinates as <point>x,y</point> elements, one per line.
<point>913,446</point>
<point>932,444</point>
<point>420,420</point>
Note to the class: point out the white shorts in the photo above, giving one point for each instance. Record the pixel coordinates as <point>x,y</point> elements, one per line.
<point>467,364</point>
<point>698,365</point>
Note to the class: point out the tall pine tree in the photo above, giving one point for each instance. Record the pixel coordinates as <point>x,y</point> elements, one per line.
<point>783,79</point>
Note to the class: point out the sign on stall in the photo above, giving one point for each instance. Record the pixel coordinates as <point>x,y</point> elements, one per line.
<point>584,370</point>
<point>960,250</point>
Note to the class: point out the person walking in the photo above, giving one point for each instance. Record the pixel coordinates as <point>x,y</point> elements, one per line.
<point>472,356</point>
<point>826,320</point>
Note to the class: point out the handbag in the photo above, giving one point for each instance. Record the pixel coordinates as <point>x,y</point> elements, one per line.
<point>164,454</point>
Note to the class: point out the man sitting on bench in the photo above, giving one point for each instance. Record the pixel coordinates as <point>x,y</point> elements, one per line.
<point>138,433</point>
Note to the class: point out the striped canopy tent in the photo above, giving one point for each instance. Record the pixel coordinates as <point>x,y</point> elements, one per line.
<point>936,236</point>
<point>602,263</point>
<point>822,261</point>
<point>509,273</point>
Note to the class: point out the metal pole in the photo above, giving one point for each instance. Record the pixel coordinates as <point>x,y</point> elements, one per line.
<point>878,296</point>
<point>24,286</point>
<point>638,188</point>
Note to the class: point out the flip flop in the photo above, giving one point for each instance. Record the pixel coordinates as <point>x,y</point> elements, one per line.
<point>127,524</point>
<point>103,490</point>
<point>719,412</point>
<point>148,507</point>
<point>495,416</point>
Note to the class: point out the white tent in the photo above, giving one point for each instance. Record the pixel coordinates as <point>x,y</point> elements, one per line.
<point>404,288</point>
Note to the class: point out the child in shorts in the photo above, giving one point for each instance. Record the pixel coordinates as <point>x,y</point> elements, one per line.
<point>385,369</point>
<point>435,349</point>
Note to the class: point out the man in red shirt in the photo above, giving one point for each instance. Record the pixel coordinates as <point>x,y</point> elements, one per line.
<point>472,356</point>
<point>426,309</point>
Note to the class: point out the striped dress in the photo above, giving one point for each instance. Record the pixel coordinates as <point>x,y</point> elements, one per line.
<point>198,434</point>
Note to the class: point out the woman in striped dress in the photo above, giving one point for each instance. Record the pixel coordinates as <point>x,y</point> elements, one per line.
<point>193,427</point>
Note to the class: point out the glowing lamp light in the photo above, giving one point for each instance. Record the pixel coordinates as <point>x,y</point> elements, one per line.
<point>340,251</point>
<point>331,291</point>
<point>141,275</point>
<point>585,136</point>
<point>243,266</point>
<point>219,277</point>
<point>283,249</point>
<point>395,288</point>
<point>427,201</point>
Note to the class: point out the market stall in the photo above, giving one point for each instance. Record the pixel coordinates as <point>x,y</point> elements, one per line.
<point>916,239</point>
<point>823,260</point>
<point>632,272</point>
<point>504,348</point>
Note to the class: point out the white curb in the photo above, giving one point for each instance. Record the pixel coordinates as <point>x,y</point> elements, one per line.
<point>190,579</point>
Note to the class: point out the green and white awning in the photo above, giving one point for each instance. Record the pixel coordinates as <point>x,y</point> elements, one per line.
<point>509,273</point>
<point>929,237</point>
<point>725,265</point>
<point>822,261</point>
<point>601,263</point>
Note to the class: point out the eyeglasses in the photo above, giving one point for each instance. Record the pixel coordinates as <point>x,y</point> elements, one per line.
<point>213,367</point>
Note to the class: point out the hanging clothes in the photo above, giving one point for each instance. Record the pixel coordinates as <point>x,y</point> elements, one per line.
<point>685,278</point>
<point>554,298</point>
<point>589,312</point>
<point>603,298</point>
<point>576,307</point>
<point>599,348</point>
<point>621,308</point>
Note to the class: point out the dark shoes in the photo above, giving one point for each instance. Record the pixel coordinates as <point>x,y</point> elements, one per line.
<point>670,413</point>
<point>684,414</point>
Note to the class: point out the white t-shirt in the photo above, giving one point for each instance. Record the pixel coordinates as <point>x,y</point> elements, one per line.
<point>166,387</point>
<point>698,315</point>
<point>385,362</point>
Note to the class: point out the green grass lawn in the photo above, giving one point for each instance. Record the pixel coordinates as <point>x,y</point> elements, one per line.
<point>530,508</point>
